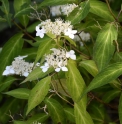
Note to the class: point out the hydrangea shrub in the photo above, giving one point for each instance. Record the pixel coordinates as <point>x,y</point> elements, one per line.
<point>63,63</point>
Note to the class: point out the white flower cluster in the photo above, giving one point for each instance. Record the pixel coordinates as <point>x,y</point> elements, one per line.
<point>19,67</point>
<point>84,36</point>
<point>62,9</point>
<point>58,59</point>
<point>57,28</point>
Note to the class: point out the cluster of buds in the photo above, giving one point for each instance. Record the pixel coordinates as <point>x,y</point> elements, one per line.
<point>58,27</point>
<point>58,59</point>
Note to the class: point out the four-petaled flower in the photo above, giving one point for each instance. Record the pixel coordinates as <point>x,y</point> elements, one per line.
<point>71,54</point>
<point>40,32</point>
<point>69,32</point>
<point>9,70</point>
<point>45,67</point>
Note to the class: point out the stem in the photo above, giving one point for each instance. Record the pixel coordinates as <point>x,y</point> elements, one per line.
<point>23,30</point>
<point>111,10</point>
<point>119,14</point>
<point>99,100</point>
<point>60,95</point>
<point>117,45</point>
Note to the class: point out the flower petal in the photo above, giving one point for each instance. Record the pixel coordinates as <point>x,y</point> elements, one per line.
<point>57,69</point>
<point>72,51</point>
<point>25,74</point>
<point>44,69</point>
<point>6,72</point>
<point>67,54</point>
<point>73,57</point>
<point>64,68</point>
<point>12,71</point>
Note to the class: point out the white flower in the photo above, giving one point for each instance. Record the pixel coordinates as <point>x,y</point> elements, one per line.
<point>45,67</point>
<point>25,74</point>
<point>67,9</point>
<point>85,36</point>
<point>20,67</point>
<point>62,9</point>
<point>55,10</point>
<point>69,32</point>
<point>40,32</point>
<point>71,54</point>
<point>9,70</point>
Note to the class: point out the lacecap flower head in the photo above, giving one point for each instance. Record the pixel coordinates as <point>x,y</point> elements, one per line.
<point>62,9</point>
<point>19,67</point>
<point>58,27</point>
<point>58,59</point>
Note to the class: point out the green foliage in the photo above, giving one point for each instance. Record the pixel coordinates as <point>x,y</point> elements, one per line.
<point>105,76</point>
<point>21,93</point>
<point>100,9</point>
<point>104,45</point>
<point>79,13</point>
<point>38,93</point>
<point>10,50</point>
<point>56,111</point>
<point>62,77</point>
<point>37,118</point>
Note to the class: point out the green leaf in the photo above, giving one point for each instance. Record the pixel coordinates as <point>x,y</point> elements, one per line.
<point>11,49</point>
<point>38,93</point>
<point>69,112</point>
<point>81,116</point>
<point>76,85</point>
<point>59,88</point>
<point>5,9</point>
<point>24,19</point>
<point>79,13</point>
<point>21,93</point>
<point>5,6</point>
<point>23,11</point>
<point>97,112</point>
<point>6,83</point>
<point>44,48</point>
<point>55,110</point>
<point>118,57</point>
<point>75,82</point>
<point>120,108</point>
<point>100,9</point>
<point>55,2</point>
<point>90,66</point>
<point>70,40</point>
<point>2,19</point>
<point>37,118</point>
<point>36,74</point>
<point>19,122</point>
<point>31,28</point>
<point>110,95</point>
<point>31,52</point>
<point>104,48</point>
<point>10,105</point>
<point>105,76</point>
